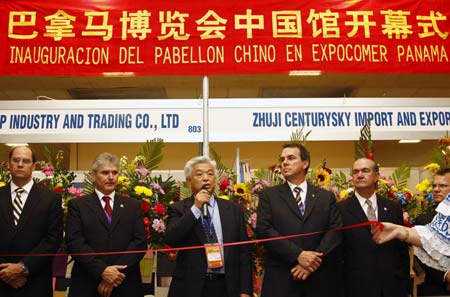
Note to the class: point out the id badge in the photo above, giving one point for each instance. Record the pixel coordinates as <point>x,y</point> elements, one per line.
<point>213,256</point>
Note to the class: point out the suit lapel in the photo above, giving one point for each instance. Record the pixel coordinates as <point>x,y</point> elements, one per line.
<point>30,204</point>
<point>118,208</point>
<point>310,200</point>
<point>287,196</point>
<point>382,210</point>
<point>225,215</point>
<point>357,210</point>
<point>94,204</point>
<point>198,229</point>
<point>6,209</point>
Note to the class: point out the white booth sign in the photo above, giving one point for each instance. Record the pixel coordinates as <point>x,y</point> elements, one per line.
<point>230,120</point>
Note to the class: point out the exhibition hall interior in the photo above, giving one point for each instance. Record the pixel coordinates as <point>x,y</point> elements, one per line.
<point>338,154</point>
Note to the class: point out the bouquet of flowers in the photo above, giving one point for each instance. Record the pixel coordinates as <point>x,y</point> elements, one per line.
<point>5,177</point>
<point>57,179</point>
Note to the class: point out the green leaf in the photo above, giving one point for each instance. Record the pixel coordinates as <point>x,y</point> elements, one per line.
<point>364,146</point>
<point>221,168</point>
<point>185,191</point>
<point>299,137</point>
<point>88,184</point>
<point>438,157</point>
<point>269,175</point>
<point>401,176</point>
<point>151,150</point>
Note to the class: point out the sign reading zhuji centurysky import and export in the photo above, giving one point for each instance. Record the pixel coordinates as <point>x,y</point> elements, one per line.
<point>197,37</point>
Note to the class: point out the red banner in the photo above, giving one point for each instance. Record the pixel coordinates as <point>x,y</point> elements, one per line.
<point>121,37</point>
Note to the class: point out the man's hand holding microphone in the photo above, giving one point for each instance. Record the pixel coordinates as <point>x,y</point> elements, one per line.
<point>202,199</point>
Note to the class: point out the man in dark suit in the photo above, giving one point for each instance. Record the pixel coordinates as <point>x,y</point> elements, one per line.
<point>372,270</point>
<point>437,283</point>
<point>105,222</point>
<point>206,271</point>
<point>307,265</point>
<point>30,223</point>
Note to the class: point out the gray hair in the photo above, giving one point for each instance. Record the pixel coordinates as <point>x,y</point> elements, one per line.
<point>197,160</point>
<point>105,158</point>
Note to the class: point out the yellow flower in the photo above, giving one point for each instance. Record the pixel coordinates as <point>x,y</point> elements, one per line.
<point>123,180</point>
<point>343,194</point>
<point>383,180</point>
<point>139,190</point>
<point>322,177</point>
<point>240,189</point>
<point>394,189</point>
<point>225,197</point>
<point>148,192</point>
<point>432,167</point>
<point>2,184</point>
<point>424,186</point>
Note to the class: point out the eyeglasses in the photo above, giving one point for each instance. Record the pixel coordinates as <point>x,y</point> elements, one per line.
<point>24,161</point>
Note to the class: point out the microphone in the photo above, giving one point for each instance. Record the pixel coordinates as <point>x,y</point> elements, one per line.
<point>205,205</point>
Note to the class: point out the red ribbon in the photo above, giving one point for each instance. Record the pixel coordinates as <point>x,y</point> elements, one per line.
<point>375,223</point>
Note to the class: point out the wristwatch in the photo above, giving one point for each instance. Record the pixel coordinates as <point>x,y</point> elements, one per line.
<point>25,271</point>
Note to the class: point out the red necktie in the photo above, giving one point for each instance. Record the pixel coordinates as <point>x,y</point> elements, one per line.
<point>108,209</point>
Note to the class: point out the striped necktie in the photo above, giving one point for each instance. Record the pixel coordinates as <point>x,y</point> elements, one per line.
<point>370,211</point>
<point>298,199</point>
<point>17,205</point>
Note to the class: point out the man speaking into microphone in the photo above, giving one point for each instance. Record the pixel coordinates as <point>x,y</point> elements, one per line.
<point>205,221</point>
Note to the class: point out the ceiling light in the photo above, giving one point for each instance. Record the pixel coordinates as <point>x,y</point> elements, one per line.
<point>118,74</point>
<point>16,144</point>
<point>409,141</point>
<point>305,72</point>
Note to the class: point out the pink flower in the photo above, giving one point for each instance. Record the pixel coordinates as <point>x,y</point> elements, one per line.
<point>252,220</point>
<point>74,191</point>
<point>159,209</point>
<point>157,188</point>
<point>48,170</point>
<point>159,226</point>
<point>142,171</point>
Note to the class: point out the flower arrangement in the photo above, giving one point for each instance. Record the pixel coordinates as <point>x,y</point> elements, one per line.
<point>5,176</point>
<point>57,179</point>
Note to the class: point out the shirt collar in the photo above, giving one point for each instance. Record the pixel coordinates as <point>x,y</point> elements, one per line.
<point>26,187</point>
<point>303,186</point>
<point>363,200</point>
<point>100,195</point>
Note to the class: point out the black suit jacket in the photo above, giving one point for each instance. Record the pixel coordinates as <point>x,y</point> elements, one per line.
<point>89,231</point>
<point>433,284</point>
<point>40,231</point>
<point>183,229</point>
<point>373,270</point>
<point>279,215</point>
